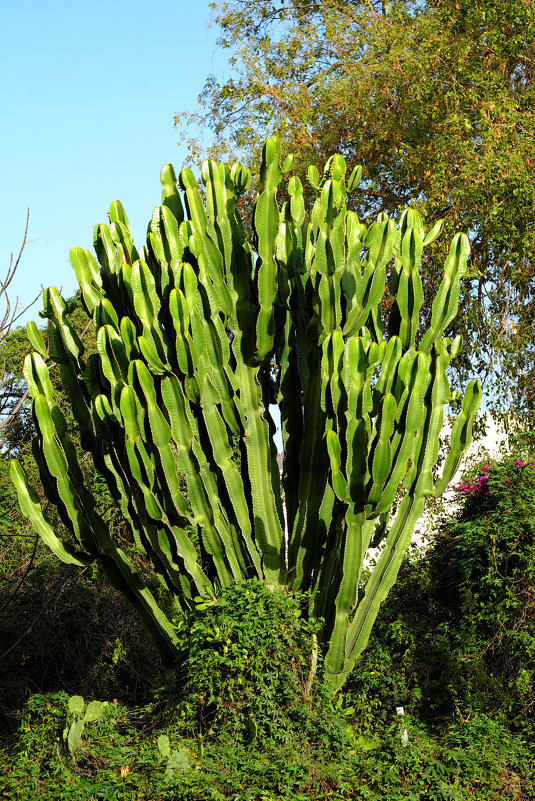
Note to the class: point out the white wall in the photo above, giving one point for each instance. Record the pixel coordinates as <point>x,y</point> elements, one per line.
<point>490,444</point>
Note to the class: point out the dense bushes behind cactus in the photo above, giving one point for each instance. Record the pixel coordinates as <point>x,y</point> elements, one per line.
<point>457,635</point>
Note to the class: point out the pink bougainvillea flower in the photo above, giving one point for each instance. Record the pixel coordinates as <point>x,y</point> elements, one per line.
<point>477,488</point>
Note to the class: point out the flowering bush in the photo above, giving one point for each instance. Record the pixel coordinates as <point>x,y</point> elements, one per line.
<point>477,486</point>
<point>458,632</point>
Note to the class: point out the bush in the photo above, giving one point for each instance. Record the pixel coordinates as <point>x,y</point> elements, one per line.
<point>457,634</point>
<point>249,666</point>
<point>86,641</point>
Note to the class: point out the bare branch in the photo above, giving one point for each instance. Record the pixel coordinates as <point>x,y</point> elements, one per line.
<point>13,413</point>
<point>38,617</point>
<point>10,315</point>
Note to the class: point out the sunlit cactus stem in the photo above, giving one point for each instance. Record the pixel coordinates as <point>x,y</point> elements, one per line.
<point>198,334</point>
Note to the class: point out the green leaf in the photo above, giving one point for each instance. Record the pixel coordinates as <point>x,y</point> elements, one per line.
<point>95,711</point>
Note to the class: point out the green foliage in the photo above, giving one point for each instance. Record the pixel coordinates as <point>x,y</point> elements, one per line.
<point>123,756</point>
<point>17,430</point>
<point>88,640</point>
<point>435,99</point>
<point>196,339</point>
<point>457,636</point>
<point>248,656</point>
<point>78,715</point>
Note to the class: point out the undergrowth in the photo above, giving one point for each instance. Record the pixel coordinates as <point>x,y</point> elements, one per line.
<point>128,755</point>
<point>245,718</point>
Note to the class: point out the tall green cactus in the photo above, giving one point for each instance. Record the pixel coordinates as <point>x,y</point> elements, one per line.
<point>198,334</point>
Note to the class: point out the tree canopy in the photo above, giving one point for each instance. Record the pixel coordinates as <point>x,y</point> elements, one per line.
<point>436,100</point>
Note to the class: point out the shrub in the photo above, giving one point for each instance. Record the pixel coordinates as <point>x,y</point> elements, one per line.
<point>457,634</point>
<point>249,666</point>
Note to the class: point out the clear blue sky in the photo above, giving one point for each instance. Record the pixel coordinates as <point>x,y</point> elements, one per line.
<point>88,94</point>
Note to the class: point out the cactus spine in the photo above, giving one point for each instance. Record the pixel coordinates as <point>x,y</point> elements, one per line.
<point>198,334</point>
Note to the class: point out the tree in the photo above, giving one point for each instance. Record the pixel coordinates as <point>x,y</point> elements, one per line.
<point>196,338</point>
<point>436,100</point>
